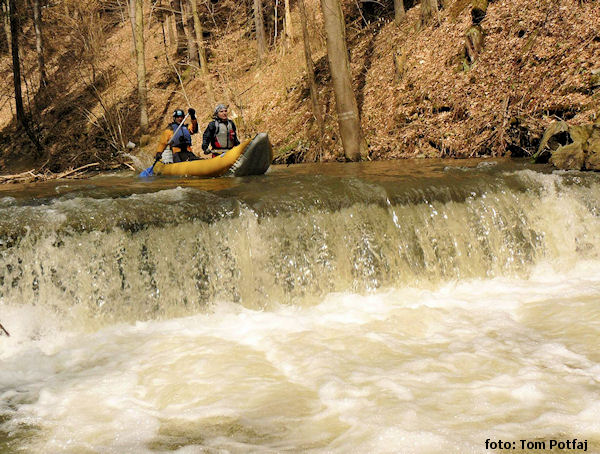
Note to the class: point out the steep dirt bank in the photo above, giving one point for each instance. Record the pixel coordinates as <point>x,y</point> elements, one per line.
<point>537,64</point>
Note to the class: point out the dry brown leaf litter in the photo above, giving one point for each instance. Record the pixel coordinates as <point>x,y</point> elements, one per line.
<point>534,68</point>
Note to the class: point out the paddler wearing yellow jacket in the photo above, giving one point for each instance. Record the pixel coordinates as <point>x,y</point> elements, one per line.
<point>179,138</point>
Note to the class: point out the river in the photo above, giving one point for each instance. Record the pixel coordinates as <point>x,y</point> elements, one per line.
<point>426,306</point>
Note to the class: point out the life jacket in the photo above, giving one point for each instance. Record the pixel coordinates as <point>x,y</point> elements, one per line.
<point>181,138</point>
<point>224,135</point>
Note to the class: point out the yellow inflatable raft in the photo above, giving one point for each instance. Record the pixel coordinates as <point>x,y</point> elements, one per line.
<point>251,157</point>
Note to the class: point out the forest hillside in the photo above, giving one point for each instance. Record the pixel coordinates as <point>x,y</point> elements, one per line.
<point>459,85</point>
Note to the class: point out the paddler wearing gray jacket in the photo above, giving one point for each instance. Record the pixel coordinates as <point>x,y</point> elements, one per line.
<point>220,134</point>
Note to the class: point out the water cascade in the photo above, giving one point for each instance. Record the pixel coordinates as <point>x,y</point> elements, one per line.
<point>378,307</point>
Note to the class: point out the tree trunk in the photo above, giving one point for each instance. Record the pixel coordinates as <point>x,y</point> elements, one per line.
<point>199,38</point>
<point>164,36</point>
<point>275,22</point>
<point>16,63</point>
<point>181,38</point>
<point>169,25</point>
<point>132,9</point>
<point>6,23</point>
<point>289,30</point>
<point>192,46</point>
<point>310,70</point>
<point>259,24</point>
<point>399,11</point>
<point>429,11</point>
<point>39,41</point>
<point>141,64</point>
<point>337,53</point>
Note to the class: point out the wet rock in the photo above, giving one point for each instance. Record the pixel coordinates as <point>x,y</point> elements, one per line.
<point>555,136</point>
<point>568,157</point>
<point>580,133</point>
<point>575,147</point>
<point>592,158</point>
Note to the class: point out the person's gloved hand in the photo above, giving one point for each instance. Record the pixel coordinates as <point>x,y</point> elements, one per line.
<point>158,156</point>
<point>192,113</point>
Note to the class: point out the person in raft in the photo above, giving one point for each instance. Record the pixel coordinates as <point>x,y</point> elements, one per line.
<point>179,138</point>
<point>220,133</point>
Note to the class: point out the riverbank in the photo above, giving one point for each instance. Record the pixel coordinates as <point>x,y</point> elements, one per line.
<point>416,96</point>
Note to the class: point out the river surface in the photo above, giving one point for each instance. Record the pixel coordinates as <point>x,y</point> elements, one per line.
<point>385,307</point>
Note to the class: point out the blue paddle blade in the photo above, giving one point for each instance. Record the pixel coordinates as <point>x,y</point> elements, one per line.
<point>148,172</point>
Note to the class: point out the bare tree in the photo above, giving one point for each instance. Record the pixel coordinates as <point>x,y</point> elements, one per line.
<point>399,11</point>
<point>310,70</point>
<point>15,30</point>
<point>289,29</point>
<point>429,11</point>
<point>199,38</point>
<point>16,62</point>
<point>169,24</point>
<point>337,54</point>
<point>89,37</point>
<point>259,24</point>
<point>39,41</point>
<point>132,9</point>
<point>276,22</point>
<point>181,38</point>
<point>6,23</point>
<point>141,64</point>
<point>192,46</point>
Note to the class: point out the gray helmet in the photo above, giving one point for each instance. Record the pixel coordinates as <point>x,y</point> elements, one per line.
<point>218,108</point>
<point>178,113</point>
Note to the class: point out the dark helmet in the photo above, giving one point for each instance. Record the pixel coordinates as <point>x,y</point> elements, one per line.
<point>178,113</point>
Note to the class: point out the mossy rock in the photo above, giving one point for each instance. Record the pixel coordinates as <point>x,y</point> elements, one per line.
<point>568,157</point>
<point>580,133</point>
<point>592,157</point>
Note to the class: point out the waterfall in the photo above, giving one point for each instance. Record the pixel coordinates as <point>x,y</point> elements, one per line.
<point>175,251</point>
